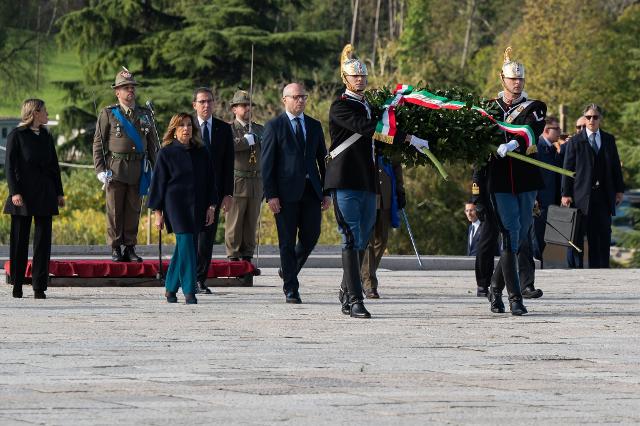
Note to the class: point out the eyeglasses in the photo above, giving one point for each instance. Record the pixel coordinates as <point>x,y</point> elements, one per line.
<point>297,97</point>
<point>469,210</point>
<point>592,117</point>
<point>205,101</point>
<point>554,128</point>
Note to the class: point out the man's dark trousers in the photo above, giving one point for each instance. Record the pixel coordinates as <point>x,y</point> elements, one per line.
<point>597,227</point>
<point>206,239</point>
<point>303,218</point>
<point>487,246</point>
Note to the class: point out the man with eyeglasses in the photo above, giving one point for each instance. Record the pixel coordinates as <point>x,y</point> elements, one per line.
<point>217,137</point>
<point>351,176</point>
<point>597,189</point>
<point>293,170</point>
<point>550,194</point>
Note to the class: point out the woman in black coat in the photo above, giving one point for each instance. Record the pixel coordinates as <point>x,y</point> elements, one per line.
<point>35,191</point>
<point>182,196</point>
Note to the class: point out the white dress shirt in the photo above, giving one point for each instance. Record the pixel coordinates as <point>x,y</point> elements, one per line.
<point>209,124</point>
<point>598,141</point>
<point>293,124</point>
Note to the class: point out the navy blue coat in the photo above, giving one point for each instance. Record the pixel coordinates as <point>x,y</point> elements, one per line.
<point>182,187</point>
<point>285,164</point>
<point>550,194</point>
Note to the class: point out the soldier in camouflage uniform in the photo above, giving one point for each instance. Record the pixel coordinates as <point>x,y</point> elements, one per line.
<point>120,162</point>
<point>242,218</point>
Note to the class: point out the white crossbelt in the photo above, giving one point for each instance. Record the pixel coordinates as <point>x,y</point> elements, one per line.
<point>344,145</point>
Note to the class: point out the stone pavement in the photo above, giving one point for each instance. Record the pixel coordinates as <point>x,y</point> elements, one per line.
<point>432,354</point>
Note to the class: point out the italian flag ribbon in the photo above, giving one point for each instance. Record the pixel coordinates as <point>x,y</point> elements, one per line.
<point>387,126</point>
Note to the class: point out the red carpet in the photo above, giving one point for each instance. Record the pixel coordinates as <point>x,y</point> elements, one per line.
<point>148,268</point>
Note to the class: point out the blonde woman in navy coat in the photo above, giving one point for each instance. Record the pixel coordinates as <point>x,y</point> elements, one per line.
<point>35,193</point>
<point>182,196</point>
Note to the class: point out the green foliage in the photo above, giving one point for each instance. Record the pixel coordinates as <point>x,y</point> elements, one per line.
<point>462,135</point>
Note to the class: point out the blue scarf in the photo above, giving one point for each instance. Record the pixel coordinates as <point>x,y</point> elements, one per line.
<point>145,174</point>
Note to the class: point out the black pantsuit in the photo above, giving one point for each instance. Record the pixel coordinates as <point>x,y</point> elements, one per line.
<point>206,238</point>
<point>33,173</point>
<point>19,250</point>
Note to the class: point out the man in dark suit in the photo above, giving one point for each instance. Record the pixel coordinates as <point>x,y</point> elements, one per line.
<point>597,188</point>
<point>293,169</point>
<point>217,137</point>
<point>550,194</point>
<point>473,231</point>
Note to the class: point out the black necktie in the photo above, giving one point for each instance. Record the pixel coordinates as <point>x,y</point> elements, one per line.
<point>592,141</point>
<point>205,134</point>
<point>299,132</point>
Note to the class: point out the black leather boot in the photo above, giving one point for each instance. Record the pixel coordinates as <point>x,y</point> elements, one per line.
<point>344,300</point>
<point>116,254</point>
<point>130,255</point>
<point>351,267</point>
<point>495,289</point>
<point>510,273</point>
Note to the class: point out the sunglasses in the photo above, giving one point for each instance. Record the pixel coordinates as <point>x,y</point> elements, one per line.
<point>592,117</point>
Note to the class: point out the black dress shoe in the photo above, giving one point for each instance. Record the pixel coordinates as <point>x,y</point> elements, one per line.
<point>293,297</point>
<point>39,294</point>
<point>130,255</point>
<point>201,288</point>
<point>372,294</point>
<point>530,292</point>
<point>482,292</point>
<point>517,308</point>
<point>190,299</point>
<point>116,254</point>
<point>171,296</point>
<point>17,291</point>
<point>359,311</point>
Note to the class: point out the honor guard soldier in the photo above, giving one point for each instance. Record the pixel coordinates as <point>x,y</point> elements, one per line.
<point>244,211</point>
<point>123,154</point>
<point>351,176</point>
<point>513,184</point>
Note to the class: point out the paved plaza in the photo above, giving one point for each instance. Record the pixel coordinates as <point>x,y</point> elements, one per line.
<point>431,354</point>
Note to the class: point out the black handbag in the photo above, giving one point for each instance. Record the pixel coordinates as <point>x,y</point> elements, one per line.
<point>563,225</point>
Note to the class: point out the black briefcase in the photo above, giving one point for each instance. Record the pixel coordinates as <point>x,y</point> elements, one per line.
<point>563,225</point>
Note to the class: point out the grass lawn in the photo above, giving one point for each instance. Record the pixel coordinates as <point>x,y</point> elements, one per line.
<point>57,66</point>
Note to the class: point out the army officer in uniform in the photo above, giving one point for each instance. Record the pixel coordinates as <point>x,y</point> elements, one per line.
<point>243,213</point>
<point>123,154</point>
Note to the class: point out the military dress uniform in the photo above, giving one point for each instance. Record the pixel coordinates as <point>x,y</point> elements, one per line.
<point>513,185</point>
<point>380,237</point>
<point>242,218</point>
<point>114,150</point>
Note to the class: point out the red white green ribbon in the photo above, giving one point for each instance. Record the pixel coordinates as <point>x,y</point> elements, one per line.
<point>387,126</point>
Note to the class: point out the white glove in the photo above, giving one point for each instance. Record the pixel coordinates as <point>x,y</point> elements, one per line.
<point>512,145</point>
<point>102,177</point>
<point>250,139</point>
<point>418,143</point>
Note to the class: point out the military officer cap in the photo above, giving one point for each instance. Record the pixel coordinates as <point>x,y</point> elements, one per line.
<point>123,78</point>
<point>510,68</point>
<point>241,97</point>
